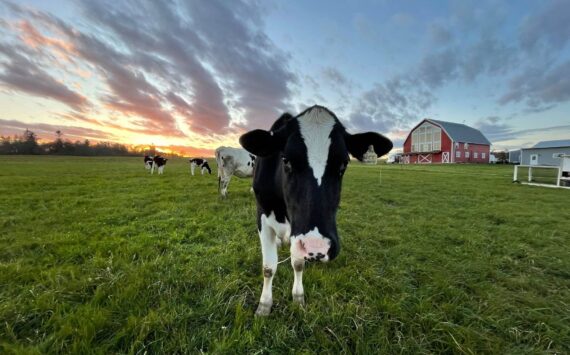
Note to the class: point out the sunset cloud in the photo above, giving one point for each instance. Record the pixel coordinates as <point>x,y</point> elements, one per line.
<point>199,73</point>
<point>168,69</point>
<point>47,131</point>
<point>21,73</point>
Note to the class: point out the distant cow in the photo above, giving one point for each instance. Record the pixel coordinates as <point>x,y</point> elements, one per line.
<point>232,161</point>
<point>158,162</point>
<point>148,160</point>
<point>202,163</point>
<point>297,183</point>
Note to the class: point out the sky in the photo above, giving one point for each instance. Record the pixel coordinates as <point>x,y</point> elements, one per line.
<point>189,76</point>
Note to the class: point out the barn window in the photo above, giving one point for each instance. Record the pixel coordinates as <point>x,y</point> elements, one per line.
<point>466,146</point>
<point>483,155</point>
<point>426,138</point>
<point>467,155</point>
<point>458,154</point>
<point>475,155</point>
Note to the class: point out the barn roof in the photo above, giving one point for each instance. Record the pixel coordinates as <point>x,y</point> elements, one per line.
<point>462,133</point>
<point>553,144</point>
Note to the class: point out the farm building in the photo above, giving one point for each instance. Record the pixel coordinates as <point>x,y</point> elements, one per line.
<point>434,141</point>
<point>515,156</point>
<point>545,153</point>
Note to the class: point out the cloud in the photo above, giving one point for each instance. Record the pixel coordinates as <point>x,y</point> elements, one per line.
<point>405,97</point>
<point>495,129</point>
<point>390,105</point>
<point>187,151</point>
<point>362,122</point>
<point>106,124</point>
<point>240,58</point>
<point>439,34</point>
<point>22,74</point>
<point>335,77</point>
<point>206,65</point>
<point>47,131</point>
<point>548,28</point>
<point>539,87</point>
<point>488,56</point>
<point>435,69</point>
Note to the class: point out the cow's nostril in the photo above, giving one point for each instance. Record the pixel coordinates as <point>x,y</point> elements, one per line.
<point>311,254</point>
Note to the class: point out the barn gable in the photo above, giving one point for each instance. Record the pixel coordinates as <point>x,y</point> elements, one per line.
<point>461,133</point>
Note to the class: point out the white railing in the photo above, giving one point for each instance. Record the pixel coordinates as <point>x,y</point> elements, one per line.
<point>559,177</point>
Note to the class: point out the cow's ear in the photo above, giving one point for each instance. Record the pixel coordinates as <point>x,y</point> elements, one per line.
<point>261,143</point>
<point>358,144</point>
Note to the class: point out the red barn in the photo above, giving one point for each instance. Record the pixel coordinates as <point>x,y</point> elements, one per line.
<point>434,141</point>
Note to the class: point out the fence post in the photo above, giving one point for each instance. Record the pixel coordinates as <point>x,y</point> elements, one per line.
<point>530,174</point>
<point>516,174</point>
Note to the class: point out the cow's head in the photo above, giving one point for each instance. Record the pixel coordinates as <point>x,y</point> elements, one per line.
<point>313,152</point>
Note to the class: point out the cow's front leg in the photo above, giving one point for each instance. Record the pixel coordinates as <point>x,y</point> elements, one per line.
<point>269,252</point>
<point>298,292</point>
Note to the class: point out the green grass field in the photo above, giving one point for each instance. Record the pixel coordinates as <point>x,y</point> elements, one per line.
<point>97,256</point>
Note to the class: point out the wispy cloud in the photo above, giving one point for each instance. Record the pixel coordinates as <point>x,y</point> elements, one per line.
<point>21,73</point>
<point>47,131</point>
<point>168,67</point>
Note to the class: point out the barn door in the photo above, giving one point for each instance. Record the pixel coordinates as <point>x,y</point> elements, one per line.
<point>424,159</point>
<point>445,157</point>
<point>534,159</point>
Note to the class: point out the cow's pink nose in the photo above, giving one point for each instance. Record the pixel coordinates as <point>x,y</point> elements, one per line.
<point>313,248</point>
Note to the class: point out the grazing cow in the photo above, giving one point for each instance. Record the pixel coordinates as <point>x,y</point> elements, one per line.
<point>297,184</point>
<point>159,162</point>
<point>232,161</point>
<point>148,159</point>
<point>202,163</point>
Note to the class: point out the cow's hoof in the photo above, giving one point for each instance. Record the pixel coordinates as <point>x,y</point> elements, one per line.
<point>299,299</point>
<point>263,310</point>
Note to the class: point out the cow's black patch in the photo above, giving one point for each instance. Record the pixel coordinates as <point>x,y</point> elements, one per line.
<point>159,161</point>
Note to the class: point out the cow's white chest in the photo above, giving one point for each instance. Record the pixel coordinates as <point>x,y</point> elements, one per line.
<point>316,126</point>
<point>282,231</point>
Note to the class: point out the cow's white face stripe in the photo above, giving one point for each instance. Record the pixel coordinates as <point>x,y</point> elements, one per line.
<point>316,126</point>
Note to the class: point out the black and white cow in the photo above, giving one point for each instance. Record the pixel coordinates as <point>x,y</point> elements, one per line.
<point>202,163</point>
<point>297,183</point>
<point>232,161</point>
<point>158,162</point>
<point>148,160</point>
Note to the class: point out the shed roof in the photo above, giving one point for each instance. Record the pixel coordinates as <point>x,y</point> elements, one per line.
<point>553,144</point>
<point>462,133</point>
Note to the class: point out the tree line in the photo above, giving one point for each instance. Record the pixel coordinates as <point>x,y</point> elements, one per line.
<point>28,143</point>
